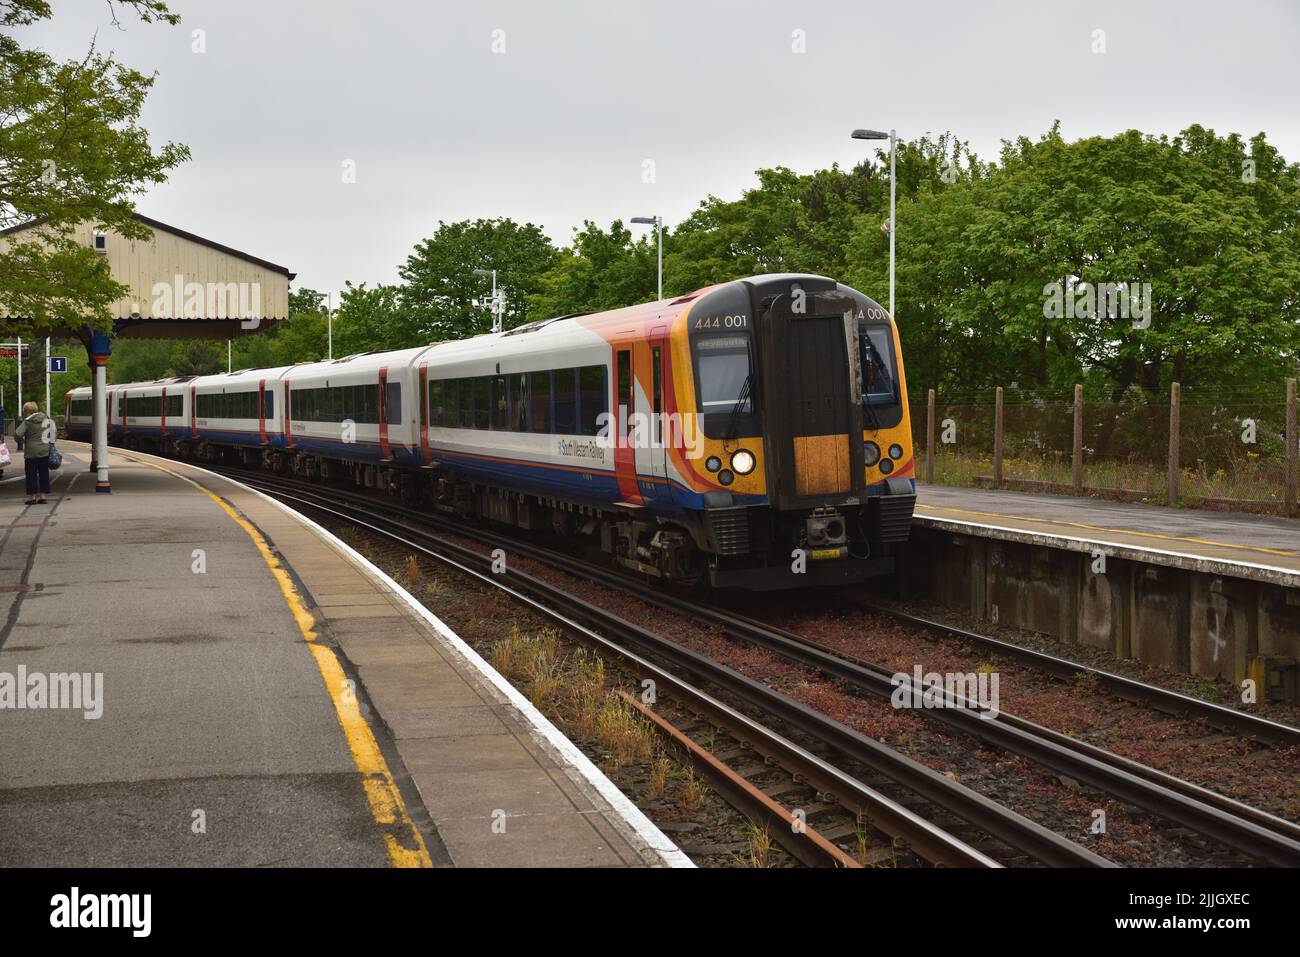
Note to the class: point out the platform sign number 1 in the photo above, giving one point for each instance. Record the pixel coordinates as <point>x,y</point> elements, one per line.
<point>58,363</point>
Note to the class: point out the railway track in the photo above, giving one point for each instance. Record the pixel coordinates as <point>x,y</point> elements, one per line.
<point>1249,830</point>
<point>939,819</point>
<point>1169,702</point>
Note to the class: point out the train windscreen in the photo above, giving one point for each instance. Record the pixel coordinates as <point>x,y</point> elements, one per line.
<point>724,372</point>
<point>879,384</point>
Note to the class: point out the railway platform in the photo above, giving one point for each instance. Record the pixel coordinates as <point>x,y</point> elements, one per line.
<point>192,674</point>
<point>1212,594</point>
<point>1255,546</point>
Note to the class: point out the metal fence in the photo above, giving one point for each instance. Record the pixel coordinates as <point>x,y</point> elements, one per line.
<point>1209,451</point>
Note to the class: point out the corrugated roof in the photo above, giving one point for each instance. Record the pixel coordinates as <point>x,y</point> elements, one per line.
<point>184,234</point>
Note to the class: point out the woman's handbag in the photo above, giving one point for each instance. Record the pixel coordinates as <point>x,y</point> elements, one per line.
<point>5,457</point>
<point>56,457</point>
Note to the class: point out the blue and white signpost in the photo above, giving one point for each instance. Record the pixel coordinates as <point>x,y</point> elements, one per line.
<point>52,364</point>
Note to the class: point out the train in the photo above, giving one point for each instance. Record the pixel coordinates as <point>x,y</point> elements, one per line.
<point>753,434</point>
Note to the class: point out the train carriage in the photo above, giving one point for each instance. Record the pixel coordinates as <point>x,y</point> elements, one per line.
<point>752,434</point>
<point>236,411</point>
<point>352,410</point>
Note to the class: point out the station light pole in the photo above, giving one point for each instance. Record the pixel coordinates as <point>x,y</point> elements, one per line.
<point>497,304</point>
<point>892,136</point>
<point>658,223</point>
<point>328,299</point>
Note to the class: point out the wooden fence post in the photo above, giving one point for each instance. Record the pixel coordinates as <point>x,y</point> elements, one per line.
<point>997,439</point>
<point>1175,468</point>
<point>929,439</point>
<point>1076,478</point>
<point>1291,439</point>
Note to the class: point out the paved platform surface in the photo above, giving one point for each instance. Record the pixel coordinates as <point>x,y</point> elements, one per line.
<point>1260,546</point>
<point>230,730</point>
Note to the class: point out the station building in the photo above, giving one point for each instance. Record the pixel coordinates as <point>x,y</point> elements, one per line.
<point>180,286</point>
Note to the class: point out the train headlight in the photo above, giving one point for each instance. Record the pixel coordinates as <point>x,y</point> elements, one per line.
<point>713,463</point>
<point>725,477</point>
<point>872,452</point>
<point>886,467</point>
<point>742,462</point>
<point>895,451</point>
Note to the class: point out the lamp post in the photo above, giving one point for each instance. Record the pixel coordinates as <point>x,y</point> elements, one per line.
<point>328,298</point>
<point>892,136</point>
<point>658,223</point>
<point>497,304</point>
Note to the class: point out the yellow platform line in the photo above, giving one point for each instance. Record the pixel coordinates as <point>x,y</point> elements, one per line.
<point>1114,531</point>
<point>405,844</point>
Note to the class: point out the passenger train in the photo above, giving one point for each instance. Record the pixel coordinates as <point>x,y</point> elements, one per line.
<point>753,434</point>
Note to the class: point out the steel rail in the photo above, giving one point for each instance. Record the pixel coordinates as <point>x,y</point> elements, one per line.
<point>802,840</point>
<point>1249,830</point>
<point>1162,699</point>
<point>1006,825</point>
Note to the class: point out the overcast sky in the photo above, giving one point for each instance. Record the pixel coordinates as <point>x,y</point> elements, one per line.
<point>557,128</point>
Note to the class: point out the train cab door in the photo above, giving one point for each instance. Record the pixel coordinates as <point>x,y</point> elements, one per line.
<point>651,431</point>
<point>626,469</point>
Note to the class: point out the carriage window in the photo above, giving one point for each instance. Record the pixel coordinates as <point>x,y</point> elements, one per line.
<point>451,403</point>
<point>624,390</point>
<point>482,403</point>
<point>519,402</point>
<point>500,404</point>
<point>539,390</point>
<point>656,373</point>
<point>467,392</point>
<point>444,409</point>
<point>268,404</point>
<point>434,413</point>
<point>394,403</point>
<point>595,398</point>
<point>566,402</point>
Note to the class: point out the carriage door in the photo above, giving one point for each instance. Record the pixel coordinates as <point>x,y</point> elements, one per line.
<point>384,452</point>
<point>652,430</point>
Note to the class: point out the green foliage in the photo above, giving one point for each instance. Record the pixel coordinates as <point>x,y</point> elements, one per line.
<point>1221,254</point>
<point>373,319</point>
<point>601,270</point>
<point>440,283</point>
<point>71,151</point>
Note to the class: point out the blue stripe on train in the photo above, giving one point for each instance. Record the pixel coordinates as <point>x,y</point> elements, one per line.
<point>599,487</point>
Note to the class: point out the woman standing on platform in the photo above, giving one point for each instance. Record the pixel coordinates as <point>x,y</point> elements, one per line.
<point>35,431</point>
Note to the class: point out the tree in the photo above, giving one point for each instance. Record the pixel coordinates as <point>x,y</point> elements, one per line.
<point>440,280</point>
<point>369,319</point>
<point>71,151</point>
<point>999,271</point>
<point>601,270</point>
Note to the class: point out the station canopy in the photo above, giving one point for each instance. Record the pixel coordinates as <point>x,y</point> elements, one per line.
<point>182,286</point>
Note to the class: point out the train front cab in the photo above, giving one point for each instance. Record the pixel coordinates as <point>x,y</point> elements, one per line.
<point>831,402</point>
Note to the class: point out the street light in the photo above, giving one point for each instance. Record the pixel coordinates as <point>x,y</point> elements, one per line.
<point>497,304</point>
<point>328,297</point>
<point>658,223</point>
<point>893,140</point>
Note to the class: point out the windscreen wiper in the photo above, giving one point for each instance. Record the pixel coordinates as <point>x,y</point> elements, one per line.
<point>741,399</point>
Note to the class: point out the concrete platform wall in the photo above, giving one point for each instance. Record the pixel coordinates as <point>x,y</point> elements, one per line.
<point>1183,619</point>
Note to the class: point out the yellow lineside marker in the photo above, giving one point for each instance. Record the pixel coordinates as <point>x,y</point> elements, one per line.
<point>386,805</point>
<point>1116,531</point>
